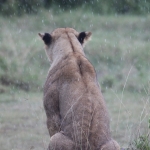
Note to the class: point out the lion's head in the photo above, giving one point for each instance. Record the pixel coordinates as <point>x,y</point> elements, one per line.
<point>61,41</point>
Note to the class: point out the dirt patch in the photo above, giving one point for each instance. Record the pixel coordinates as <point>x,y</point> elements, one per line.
<point>5,80</point>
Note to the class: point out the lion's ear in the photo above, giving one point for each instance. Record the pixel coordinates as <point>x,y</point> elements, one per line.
<point>46,37</point>
<point>84,36</point>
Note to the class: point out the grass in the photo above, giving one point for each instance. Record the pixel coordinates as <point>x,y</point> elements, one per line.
<point>119,50</point>
<point>118,43</point>
<point>142,142</point>
<point>17,129</point>
<point>23,120</point>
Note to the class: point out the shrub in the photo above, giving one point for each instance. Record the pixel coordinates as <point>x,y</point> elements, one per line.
<point>18,7</point>
<point>9,7</point>
<point>142,142</point>
<point>104,7</point>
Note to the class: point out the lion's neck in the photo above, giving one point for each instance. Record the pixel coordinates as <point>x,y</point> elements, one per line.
<point>65,46</point>
<point>56,60</point>
<point>59,52</point>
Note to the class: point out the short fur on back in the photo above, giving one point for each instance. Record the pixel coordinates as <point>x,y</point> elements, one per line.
<point>77,118</point>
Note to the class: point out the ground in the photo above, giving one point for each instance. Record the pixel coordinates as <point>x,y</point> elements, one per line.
<point>23,120</point>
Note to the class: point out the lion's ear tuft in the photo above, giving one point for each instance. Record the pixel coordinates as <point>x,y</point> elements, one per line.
<point>46,38</point>
<point>84,36</point>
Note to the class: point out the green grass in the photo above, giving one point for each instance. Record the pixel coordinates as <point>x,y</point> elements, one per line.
<point>119,50</point>
<point>143,142</point>
<point>23,120</point>
<point>118,43</point>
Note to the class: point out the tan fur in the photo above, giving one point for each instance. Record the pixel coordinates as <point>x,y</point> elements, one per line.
<point>77,118</point>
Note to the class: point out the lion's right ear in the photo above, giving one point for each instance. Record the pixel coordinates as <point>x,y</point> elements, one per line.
<point>84,37</point>
<point>46,37</point>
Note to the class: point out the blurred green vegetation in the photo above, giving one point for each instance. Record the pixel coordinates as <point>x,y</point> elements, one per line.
<point>142,142</point>
<point>119,50</point>
<point>19,7</point>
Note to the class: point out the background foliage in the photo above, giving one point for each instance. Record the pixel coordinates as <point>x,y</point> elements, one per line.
<point>18,7</point>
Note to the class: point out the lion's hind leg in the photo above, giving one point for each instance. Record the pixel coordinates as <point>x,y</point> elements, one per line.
<point>60,142</point>
<point>110,145</point>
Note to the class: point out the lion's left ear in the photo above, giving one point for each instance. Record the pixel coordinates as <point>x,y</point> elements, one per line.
<point>84,37</point>
<point>46,37</point>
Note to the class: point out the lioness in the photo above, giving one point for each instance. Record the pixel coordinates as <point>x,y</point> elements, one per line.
<point>77,118</point>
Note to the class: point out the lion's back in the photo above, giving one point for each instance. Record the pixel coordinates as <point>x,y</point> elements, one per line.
<point>82,108</point>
